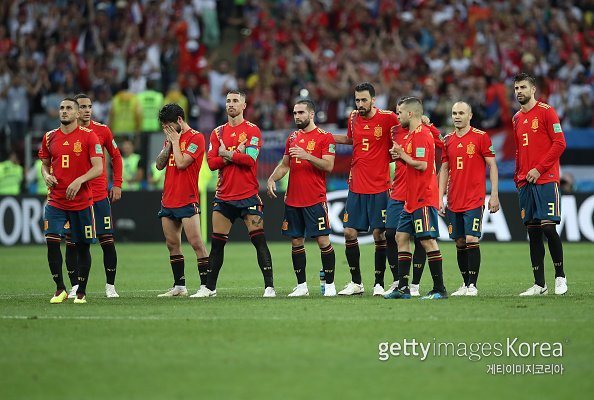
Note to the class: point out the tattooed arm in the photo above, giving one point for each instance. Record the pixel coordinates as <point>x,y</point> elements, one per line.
<point>163,156</point>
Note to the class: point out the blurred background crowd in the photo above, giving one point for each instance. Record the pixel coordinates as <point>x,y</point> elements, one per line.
<point>133,56</point>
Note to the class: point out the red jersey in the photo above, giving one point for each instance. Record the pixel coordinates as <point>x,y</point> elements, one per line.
<point>237,179</point>
<point>370,165</point>
<point>421,186</point>
<point>181,185</point>
<point>400,136</point>
<point>99,184</point>
<point>467,167</point>
<point>307,184</point>
<point>539,143</point>
<point>70,156</point>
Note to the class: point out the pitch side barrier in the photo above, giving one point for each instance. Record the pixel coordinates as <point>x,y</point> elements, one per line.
<point>135,219</point>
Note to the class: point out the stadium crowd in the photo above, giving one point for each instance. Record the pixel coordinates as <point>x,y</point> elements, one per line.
<point>127,54</point>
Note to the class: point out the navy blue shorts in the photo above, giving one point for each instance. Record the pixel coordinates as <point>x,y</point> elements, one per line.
<point>179,213</point>
<point>395,208</point>
<point>540,202</point>
<point>80,225</point>
<point>421,223</point>
<point>461,224</point>
<point>309,221</point>
<point>365,211</point>
<point>234,209</point>
<point>103,220</point>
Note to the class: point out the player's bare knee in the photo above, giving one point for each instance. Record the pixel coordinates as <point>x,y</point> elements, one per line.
<point>379,234</point>
<point>461,242</point>
<point>296,242</point>
<point>323,241</point>
<point>403,241</point>
<point>350,234</point>
<point>429,244</point>
<point>472,239</point>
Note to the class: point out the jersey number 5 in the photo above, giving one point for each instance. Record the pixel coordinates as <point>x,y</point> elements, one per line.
<point>365,144</point>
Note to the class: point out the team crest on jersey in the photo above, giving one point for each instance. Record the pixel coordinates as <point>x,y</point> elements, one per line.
<point>345,217</point>
<point>242,137</point>
<point>311,145</point>
<point>285,225</point>
<point>470,149</point>
<point>182,146</point>
<point>534,124</point>
<point>523,213</point>
<point>77,148</point>
<point>409,148</point>
<point>377,132</point>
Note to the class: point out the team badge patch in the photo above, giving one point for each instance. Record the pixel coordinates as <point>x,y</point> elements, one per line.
<point>332,148</point>
<point>377,132</point>
<point>182,146</point>
<point>470,149</point>
<point>192,148</point>
<point>311,145</point>
<point>557,128</point>
<point>77,147</point>
<point>450,229</point>
<point>98,149</point>
<point>242,137</point>
<point>523,213</point>
<point>113,142</point>
<point>534,124</point>
<point>409,148</point>
<point>285,225</point>
<point>492,149</point>
<point>254,141</point>
<point>420,152</point>
<point>345,217</point>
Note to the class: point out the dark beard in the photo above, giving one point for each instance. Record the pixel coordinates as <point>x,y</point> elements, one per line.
<point>363,112</point>
<point>525,101</point>
<point>302,125</point>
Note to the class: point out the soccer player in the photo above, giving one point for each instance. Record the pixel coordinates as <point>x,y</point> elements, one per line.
<point>181,157</point>
<point>467,153</point>
<point>369,133</point>
<point>71,156</point>
<point>539,145</point>
<point>396,205</point>
<point>419,217</point>
<point>101,201</point>
<point>234,150</point>
<point>309,155</point>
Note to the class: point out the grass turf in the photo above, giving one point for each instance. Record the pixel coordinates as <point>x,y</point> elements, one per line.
<point>241,346</point>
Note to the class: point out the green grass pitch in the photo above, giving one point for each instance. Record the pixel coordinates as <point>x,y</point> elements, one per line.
<point>241,346</point>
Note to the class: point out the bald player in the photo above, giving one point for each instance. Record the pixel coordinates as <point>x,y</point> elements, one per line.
<point>467,152</point>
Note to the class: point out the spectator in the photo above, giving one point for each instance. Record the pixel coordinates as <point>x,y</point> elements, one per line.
<point>133,167</point>
<point>11,175</point>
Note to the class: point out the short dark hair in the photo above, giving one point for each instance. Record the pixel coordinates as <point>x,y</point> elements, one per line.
<point>71,99</point>
<point>311,107</point>
<point>170,112</point>
<point>415,104</point>
<point>239,92</point>
<point>402,100</point>
<point>525,77</point>
<point>365,86</point>
<point>81,96</point>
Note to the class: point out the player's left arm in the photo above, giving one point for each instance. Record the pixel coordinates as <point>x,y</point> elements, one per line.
<point>252,151</point>
<point>488,153</point>
<point>95,171</point>
<point>419,160</point>
<point>558,145</point>
<point>116,162</point>
<point>194,150</point>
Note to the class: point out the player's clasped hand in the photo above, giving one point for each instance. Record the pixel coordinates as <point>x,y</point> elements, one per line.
<point>73,189</point>
<point>532,175</point>
<point>396,150</point>
<point>241,147</point>
<point>298,152</point>
<point>115,194</point>
<point>50,181</point>
<point>493,204</point>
